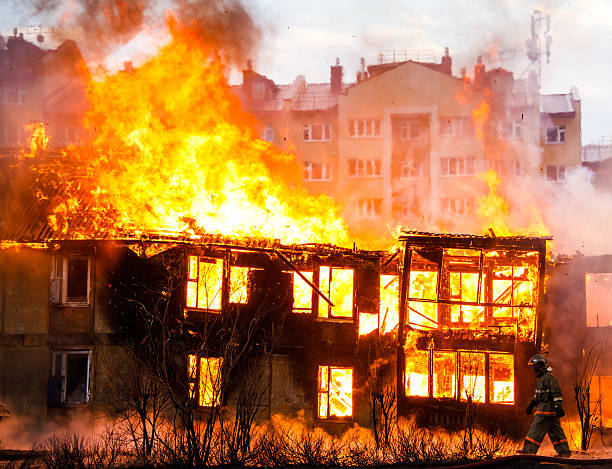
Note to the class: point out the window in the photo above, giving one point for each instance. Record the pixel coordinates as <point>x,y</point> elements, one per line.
<point>364,128</point>
<point>510,130</point>
<point>367,208</point>
<point>204,282</point>
<point>17,96</point>
<point>601,399</point>
<point>70,279</point>
<point>317,133</point>
<point>555,134</point>
<point>363,168</point>
<point>555,173</point>
<point>463,166</point>
<point>453,207</point>
<point>302,293</point>
<point>335,392</point>
<point>205,380</point>
<point>454,126</point>
<point>410,130</point>
<point>268,133</point>
<point>517,169</point>
<point>389,303</point>
<point>317,171</point>
<point>433,373</point>
<point>411,169</point>
<point>73,368</point>
<point>598,299</point>
<point>473,289</point>
<point>239,284</point>
<point>337,284</point>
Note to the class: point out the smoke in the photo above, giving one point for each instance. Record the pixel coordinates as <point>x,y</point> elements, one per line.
<point>100,27</point>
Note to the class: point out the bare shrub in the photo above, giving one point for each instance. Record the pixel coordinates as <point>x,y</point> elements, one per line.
<point>588,408</point>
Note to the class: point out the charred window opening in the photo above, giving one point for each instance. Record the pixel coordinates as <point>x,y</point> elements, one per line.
<point>335,392</point>
<point>302,293</point>
<point>337,284</point>
<point>70,279</point>
<point>73,368</point>
<point>204,283</point>
<point>598,299</point>
<point>482,377</point>
<point>240,284</point>
<point>389,303</point>
<point>474,289</point>
<point>204,375</point>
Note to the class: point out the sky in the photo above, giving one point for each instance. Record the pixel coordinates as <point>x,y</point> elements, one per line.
<point>305,37</point>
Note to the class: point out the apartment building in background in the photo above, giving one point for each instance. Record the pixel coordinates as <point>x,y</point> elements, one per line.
<point>406,142</point>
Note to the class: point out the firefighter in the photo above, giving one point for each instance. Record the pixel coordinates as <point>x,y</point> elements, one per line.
<point>548,404</point>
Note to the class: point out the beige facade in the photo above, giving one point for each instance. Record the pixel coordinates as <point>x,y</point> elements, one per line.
<point>408,141</point>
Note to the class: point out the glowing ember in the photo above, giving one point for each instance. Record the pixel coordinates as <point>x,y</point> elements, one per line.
<point>335,392</point>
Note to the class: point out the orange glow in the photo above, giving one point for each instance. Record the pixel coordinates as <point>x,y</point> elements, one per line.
<point>472,374</point>
<point>368,322</point>
<point>417,373</point>
<point>209,383</point>
<point>39,142</point>
<point>501,378</point>
<point>337,284</point>
<point>389,303</point>
<point>302,293</point>
<point>171,150</point>
<point>204,283</point>
<point>335,392</point>
<point>480,116</point>
<point>239,285</point>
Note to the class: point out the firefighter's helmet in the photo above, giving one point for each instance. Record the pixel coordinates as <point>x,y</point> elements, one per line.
<point>538,361</point>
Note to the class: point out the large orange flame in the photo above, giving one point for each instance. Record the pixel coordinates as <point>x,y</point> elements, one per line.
<point>171,150</point>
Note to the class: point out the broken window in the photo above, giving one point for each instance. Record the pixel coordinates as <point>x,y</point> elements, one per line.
<point>423,289</point>
<point>335,392</point>
<point>389,303</point>
<point>598,299</point>
<point>501,378</point>
<point>444,374</point>
<point>204,283</point>
<point>337,284</point>
<point>302,293</point>
<point>205,380</point>
<point>417,374</point>
<point>317,133</point>
<point>477,288</point>
<point>239,285</point>
<point>73,367</point>
<point>69,279</point>
<point>472,376</point>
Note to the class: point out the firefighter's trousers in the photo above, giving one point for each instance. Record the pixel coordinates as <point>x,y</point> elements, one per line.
<point>541,425</point>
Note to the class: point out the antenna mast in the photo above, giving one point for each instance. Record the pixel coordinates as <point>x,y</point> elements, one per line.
<point>539,43</point>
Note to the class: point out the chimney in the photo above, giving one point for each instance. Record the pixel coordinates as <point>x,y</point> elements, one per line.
<point>479,72</point>
<point>336,76</point>
<point>446,63</point>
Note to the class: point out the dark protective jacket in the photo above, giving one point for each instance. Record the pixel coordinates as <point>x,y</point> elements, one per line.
<point>547,395</point>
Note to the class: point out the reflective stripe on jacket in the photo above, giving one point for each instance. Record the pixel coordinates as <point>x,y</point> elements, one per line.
<point>547,394</point>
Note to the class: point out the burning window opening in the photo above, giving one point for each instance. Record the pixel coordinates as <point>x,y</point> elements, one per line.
<point>335,392</point>
<point>473,288</point>
<point>389,303</point>
<point>598,299</point>
<point>205,380</point>
<point>70,280</point>
<point>441,373</point>
<point>240,284</point>
<point>71,369</point>
<point>337,284</point>
<point>204,283</point>
<point>302,293</point>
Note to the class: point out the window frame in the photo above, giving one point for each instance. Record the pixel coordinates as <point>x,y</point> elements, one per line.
<point>559,173</point>
<point>364,128</point>
<point>458,380</point>
<point>62,373</point>
<point>457,166</point>
<point>368,208</point>
<point>326,132</point>
<point>268,133</point>
<point>326,171</point>
<point>188,280</point>
<point>364,167</point>
<point>458,125</point>
<point>59,279</point>
<point>194,381</point>
<point>320,391</point>
<point>560,135</point>
<point>329,293</point>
